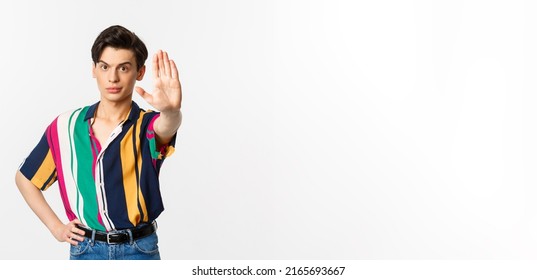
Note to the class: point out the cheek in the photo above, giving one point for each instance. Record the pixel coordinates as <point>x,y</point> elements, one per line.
<point>129,78</point>
<point>99,78</point>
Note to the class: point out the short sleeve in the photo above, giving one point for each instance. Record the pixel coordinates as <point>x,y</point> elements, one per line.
<point>39,166</point>
<point>164,151</point>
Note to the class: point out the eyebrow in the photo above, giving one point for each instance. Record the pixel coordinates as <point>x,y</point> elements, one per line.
<point>121,64</point>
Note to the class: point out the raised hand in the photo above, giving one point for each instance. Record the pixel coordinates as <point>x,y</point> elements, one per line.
<point>166,96</point>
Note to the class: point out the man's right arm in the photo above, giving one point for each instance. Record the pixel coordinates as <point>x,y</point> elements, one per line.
<point>35,199</point>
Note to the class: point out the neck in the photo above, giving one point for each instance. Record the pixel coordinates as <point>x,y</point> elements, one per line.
<point>113,111</point>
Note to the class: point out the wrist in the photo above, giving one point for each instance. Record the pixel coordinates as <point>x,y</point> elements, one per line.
<point>171,113</point>
<point>56,228</point>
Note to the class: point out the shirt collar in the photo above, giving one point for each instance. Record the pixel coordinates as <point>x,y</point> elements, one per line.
<point>133,115</point>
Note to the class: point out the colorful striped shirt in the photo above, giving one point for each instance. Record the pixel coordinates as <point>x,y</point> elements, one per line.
<point>107,186</point>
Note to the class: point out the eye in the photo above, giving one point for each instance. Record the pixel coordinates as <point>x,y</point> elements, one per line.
<point>123,68</point>
<point>104,67</point>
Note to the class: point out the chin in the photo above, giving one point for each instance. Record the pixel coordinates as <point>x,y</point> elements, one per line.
<point>116,97</point>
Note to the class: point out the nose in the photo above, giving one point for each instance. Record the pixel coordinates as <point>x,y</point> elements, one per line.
<point>113,77</point>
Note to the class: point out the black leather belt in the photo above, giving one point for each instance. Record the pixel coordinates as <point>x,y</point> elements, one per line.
<point>120,236</point>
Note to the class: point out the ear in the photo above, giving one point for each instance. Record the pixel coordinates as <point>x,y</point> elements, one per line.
<point>141,73</point>
<point>93,69</point>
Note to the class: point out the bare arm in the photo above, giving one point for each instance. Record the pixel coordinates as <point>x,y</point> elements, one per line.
<point>167,125</point>
<point>35,199</point>
<point>166,97</point>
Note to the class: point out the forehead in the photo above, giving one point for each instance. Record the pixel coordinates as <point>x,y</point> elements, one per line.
<point>114,56</point>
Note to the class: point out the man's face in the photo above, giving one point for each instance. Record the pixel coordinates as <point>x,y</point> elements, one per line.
<point>116,74</point>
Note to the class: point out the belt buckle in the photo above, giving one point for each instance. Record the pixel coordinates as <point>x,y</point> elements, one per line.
<point>112,242</point>
<point>108,238</point>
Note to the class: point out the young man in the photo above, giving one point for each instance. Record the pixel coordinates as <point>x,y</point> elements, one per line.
<point>106,157</point>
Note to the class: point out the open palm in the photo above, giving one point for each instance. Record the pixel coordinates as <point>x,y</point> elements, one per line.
<point>166,96</point>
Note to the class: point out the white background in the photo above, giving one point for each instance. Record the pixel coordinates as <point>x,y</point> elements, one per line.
<point>312,129</point>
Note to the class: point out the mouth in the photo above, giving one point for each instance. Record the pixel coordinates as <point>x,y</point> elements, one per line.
<point>113,89</point>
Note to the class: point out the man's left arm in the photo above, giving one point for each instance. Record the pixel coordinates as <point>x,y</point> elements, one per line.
<point>166,125</point>
<point>166,97</point>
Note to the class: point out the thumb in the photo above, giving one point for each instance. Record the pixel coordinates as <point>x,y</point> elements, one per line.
<point>144,94</point>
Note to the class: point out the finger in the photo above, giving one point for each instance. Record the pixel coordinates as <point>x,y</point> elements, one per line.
<point>74,237</point>
<point>166,62</point>
<point>74,228</point>
<point>144,94</point>
<point>160,63</point>
<point>72,242</point>
<point>155,66</point>
<point>78,237</point>
<point>77,232</point>
<point>69,238</point>
<point>174,72</point>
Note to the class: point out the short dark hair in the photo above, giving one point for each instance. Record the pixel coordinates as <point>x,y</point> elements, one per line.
<point>119,37</point>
